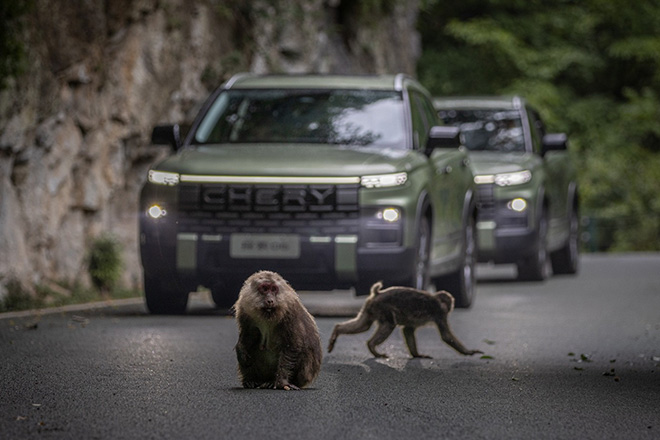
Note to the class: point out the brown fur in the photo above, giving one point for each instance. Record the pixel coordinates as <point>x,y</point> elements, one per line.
<point>404,306</point>
<point>278,340</point>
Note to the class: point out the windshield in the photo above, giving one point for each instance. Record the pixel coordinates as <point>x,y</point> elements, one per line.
<point>488,130</point>
<point>345,117</point>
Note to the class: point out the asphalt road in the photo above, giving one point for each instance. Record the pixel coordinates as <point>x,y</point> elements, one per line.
<point>571,358</point>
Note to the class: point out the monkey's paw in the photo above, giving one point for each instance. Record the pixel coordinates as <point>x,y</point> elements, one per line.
<point>471,352</point>
<point>286,387</point>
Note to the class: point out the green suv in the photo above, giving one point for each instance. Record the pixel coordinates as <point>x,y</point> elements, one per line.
<point>332,181</point>
<point>526,184</point>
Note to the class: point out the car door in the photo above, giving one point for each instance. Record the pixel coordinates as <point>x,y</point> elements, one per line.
<point>449,183</point>
<point>557,181</point>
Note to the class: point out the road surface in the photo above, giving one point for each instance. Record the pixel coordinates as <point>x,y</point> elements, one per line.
<point>573,357</point>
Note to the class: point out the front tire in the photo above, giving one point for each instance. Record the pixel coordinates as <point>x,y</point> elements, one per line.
<point>165,297</point>
<point>420,279</point>
<point>462,283</point>
<point>225,293</point>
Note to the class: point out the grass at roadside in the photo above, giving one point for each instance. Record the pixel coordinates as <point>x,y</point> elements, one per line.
<point>56,295</point>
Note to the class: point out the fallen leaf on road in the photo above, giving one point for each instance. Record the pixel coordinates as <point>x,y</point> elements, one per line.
<point>80,319</point>
<point>585,358</point>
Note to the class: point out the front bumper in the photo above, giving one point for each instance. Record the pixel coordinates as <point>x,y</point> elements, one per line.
<point>355,249</point>
<point>323,264</point>
<point>504,245</point>
<point>504,234</point>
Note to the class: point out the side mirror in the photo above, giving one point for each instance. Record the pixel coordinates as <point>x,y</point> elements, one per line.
<point>167,135</point>
<point>554,142</point>
<point>443,137</point>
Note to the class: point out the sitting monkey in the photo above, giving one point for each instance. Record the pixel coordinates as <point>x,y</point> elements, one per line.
<point>404,306</point>
<point>278,341</point>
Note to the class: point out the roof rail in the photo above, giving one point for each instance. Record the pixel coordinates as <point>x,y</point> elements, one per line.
<point>398,81</point>
<point>230,82</point>
<point>517,102</point>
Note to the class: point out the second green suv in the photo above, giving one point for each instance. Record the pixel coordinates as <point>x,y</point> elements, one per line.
<point>332,181</point>
<point>526,184</point>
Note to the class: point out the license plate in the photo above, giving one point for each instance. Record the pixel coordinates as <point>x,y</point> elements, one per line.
<point>264,246</point>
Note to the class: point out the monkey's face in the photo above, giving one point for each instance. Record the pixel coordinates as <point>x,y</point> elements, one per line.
<point>266,295</point>
<point>268,291</point>
<point>447,299</point>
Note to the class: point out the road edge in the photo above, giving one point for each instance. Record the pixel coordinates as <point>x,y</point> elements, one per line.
<point>72,308</point>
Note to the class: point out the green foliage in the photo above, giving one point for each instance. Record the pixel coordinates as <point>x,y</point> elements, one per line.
<point>16,298</point>
<point>12,48</point>
<point>592,68</point>
<point>53,294</point>
<point>104,263</point>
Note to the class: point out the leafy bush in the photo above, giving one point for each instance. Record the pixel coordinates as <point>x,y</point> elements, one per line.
<point>16,298</point>
<point>104,263</point>
<point>592,68</point>
<point>12,47</point>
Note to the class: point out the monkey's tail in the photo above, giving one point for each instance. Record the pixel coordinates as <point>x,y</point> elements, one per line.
<point>376,288</point>
<point>373,292</point>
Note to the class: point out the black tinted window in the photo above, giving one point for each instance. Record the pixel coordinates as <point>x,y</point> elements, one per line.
<point>488,130</point>
<point>345,117</point>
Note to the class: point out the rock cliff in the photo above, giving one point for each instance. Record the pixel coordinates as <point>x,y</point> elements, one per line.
<point>75,126</point>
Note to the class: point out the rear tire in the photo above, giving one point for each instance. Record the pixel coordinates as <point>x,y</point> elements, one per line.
<point>565,260</point>
<point>535,267</point>
<point>165,297</point>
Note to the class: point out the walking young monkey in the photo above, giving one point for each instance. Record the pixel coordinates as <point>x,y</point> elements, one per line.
<point>278,340</point>
<point>404,306</point>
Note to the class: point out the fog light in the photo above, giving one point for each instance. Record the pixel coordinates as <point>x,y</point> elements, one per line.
<point>518,205</point>
<point>390,215</point>
<point>156,212</point>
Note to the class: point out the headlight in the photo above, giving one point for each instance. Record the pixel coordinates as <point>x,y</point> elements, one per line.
<point>510,179</point>
<point>504,179</point>
<point>163,178</point>
<point>384,180</point>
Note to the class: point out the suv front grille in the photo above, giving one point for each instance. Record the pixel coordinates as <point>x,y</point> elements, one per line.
<point>303,209</point>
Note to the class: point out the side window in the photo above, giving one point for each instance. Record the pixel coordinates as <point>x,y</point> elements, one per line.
<point>422,120</point>
<point>431,113</point>
<point>536,128</point>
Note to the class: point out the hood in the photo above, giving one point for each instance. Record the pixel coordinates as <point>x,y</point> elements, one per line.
<point>289,160</point>
<point>486,162</point>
